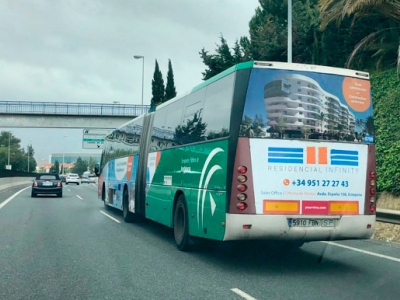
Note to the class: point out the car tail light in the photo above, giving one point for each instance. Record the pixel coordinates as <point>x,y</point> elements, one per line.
<point>242,169</point>
<point>242,187</point>
<point>241,206</point>
<point>59,184</point>
<point>35,183</point>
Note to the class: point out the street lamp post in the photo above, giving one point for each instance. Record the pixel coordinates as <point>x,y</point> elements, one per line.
<point>141,57</point>
<point>28,154</point>
<point>63,165</point>
<point>9,142</point>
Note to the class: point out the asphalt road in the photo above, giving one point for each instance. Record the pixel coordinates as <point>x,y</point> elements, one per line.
<point>68,248</point>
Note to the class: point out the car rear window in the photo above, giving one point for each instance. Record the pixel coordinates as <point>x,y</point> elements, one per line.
<point>47,177</point>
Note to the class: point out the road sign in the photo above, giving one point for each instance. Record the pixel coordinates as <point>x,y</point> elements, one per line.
<point>93,138</point>
<point>96,131</point>
<point>92,141</point>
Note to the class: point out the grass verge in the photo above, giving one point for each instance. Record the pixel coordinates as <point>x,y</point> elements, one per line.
<point>384,231</point>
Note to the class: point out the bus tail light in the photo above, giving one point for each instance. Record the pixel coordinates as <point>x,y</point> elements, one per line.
<point>242,187</point>
<point>372,175</point>
<point>241,206</point>
<point>242,170</point>
<point>242,178</point>
<point>372,207</point>
<point>372,191</point>
<point>372,200</point>
<point>242,197</point>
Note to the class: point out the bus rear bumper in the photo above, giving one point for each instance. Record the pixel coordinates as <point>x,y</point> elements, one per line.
<point>276,227</point>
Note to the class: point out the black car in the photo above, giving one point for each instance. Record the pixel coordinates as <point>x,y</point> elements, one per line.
<point>47,184</point>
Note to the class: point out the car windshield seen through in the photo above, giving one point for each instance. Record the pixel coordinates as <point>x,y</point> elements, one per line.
<point>47,177</point>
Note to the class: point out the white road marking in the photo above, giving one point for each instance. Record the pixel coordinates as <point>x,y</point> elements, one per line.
<point>112,218</point>
<point>242,294</point>
<point>12,197</point>
<point>69,190</point>
<point>364,251</point>
<point>79,197</point>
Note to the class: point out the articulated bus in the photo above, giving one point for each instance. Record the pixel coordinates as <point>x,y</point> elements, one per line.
<point>264,151</point>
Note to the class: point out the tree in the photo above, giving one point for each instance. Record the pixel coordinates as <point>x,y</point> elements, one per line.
<point>91,163</point>
<point>18,156</point>
<point>382,43</point>
<point>170,90</point>
<point>193,131</point>
<point>57,167</point>
<point>369,125</point>
<point>306,131</point>
<point>80,166</point>
<point>157,87</point>
<point>224,59</point>
<point>281,125</point>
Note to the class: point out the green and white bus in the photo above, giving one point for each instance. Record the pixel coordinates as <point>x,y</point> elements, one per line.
<point>264,150</point>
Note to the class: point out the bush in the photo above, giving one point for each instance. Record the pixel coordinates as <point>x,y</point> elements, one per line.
<point>386,101</point>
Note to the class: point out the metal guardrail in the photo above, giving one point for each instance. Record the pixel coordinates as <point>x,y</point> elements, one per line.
<point>388,216</point>
<point>63,108</point>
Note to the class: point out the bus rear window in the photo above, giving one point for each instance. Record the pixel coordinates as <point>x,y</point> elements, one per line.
<point>291,104</point>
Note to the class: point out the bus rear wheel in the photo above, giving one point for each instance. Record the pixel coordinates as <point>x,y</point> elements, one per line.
<point>181,224</point>
<point>129,217</point>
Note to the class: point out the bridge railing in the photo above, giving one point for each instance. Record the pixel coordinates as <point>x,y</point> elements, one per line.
<point>63,108</point>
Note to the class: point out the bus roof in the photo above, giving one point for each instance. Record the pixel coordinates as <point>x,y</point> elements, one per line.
<point>283,66</point>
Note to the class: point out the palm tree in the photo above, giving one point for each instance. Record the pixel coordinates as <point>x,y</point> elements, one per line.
<point>369,125</point>
<point>306,131</point>
<point>281,125</point>
<point>360,124</point>
<point>384,40</point>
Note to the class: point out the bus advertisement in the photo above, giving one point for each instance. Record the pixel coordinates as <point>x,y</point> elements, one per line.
<point>264,150</point>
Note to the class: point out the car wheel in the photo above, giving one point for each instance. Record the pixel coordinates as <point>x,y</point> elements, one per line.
<point>59,195</point>
<point>181,224</point>
<point>66,183</point>
<point>33,194</point>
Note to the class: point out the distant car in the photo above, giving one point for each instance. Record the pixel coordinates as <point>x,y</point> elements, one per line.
<point>47,184</point>
<point>73,178</point>
<point>63,177</point>
<point>88,179</point>
<point>84,179</point>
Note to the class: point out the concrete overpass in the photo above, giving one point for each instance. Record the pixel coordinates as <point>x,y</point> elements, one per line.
<point>66,115</point>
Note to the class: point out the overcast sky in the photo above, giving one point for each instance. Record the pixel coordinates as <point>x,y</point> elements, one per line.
<point>82,51</point>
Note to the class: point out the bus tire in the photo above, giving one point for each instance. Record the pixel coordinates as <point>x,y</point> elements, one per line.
<point>128,216</point>
<point>103,197</point>
<point>181,224</point>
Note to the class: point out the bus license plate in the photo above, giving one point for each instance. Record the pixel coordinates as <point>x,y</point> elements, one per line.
<point>311,223</point>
